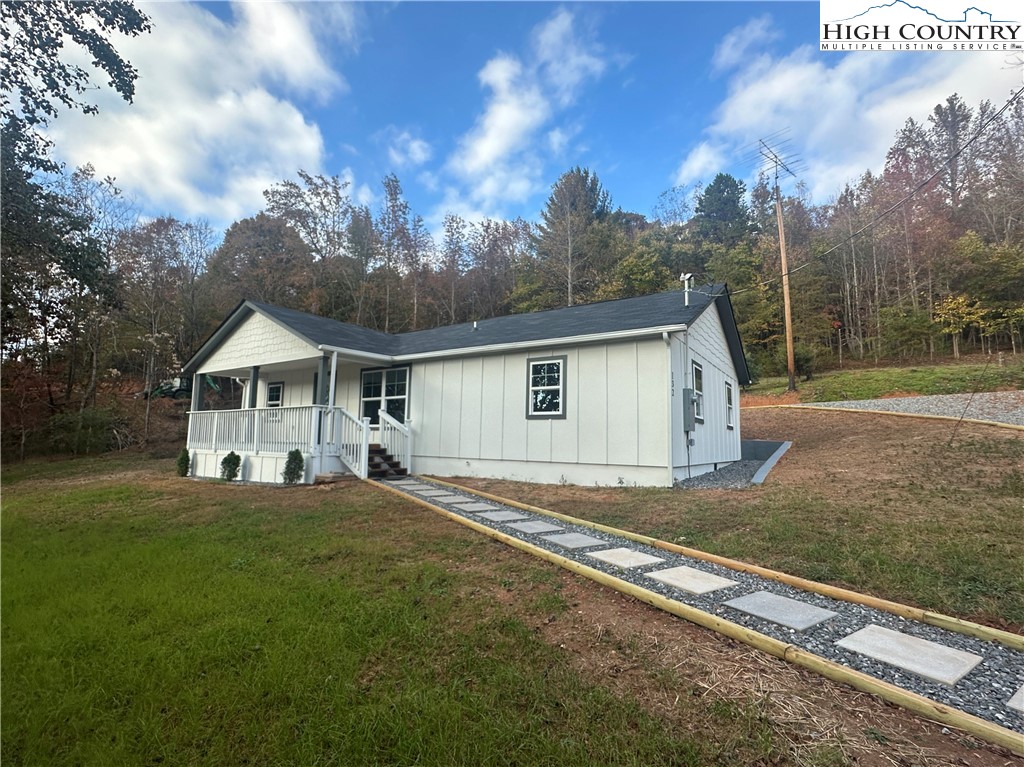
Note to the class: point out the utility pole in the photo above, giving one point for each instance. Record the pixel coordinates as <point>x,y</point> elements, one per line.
<point>769,155</point>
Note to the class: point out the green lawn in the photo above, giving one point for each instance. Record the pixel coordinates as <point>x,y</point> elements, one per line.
<point>873,383</point>
<point>154,620</point>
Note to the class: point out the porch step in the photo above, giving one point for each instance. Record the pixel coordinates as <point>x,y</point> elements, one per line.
<point>334,477</point>
<point>382,465</point>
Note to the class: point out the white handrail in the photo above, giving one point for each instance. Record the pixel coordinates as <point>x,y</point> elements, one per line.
<point>396,438</point>
<point>353,442</point>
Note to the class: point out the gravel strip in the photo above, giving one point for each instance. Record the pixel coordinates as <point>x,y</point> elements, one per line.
<point>735,476</point>
<point>998,407</point>
<point>983,692</point>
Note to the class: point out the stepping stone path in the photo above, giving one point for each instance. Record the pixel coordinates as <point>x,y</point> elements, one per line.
<point>938,663</point>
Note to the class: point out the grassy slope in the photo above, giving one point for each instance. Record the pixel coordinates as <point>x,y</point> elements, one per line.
<point>873,383</point>
<point>871,503</point>
<point>167,621</point>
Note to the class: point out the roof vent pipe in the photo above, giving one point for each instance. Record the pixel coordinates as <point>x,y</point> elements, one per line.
<point>687,279</point>
<point>474,324</point>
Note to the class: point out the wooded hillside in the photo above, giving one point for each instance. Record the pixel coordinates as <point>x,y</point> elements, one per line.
<point>921,260</point>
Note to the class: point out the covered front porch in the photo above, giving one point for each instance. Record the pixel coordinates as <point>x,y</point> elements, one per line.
<point>342,407</point>
<point>331,440</point>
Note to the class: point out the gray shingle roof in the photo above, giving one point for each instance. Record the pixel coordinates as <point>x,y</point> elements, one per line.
<point>658,310</point>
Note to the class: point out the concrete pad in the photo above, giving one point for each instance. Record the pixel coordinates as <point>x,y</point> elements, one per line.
<point>502,516</point>
<point>534,527</point>
<point>433,492</point>
<point>918,656</point>
<point>575,540</point>
<point>476,506</point>
<point>451,499</point>
<point>1017,701</point>
<point>625,558</point>
<point>782,610</point>
<point>418,486</point>
<point>690,579</point>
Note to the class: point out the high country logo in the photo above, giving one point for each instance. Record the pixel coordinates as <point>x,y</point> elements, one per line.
<point>901,25</point>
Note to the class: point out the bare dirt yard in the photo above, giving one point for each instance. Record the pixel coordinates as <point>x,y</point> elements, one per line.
<point>881,504</point>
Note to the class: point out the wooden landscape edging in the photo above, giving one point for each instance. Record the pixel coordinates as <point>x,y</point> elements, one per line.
<point>1014,641</point>
<point>819,408</point>
<point>938,712</point>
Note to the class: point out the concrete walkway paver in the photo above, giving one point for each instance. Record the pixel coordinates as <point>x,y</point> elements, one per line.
<point>691,579</point>
<point>625,558</point>
<point>574,540</point>
<point>791,613</point>
<point>918,656</point>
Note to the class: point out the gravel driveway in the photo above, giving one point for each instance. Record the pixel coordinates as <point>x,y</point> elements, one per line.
<point>999,407</point>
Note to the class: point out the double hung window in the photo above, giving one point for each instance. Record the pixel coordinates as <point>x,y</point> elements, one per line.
<point>546,388</point>
<point>275,394</point>
<point>385,390</point>
<point>729,408</point>
<point>698,392</point>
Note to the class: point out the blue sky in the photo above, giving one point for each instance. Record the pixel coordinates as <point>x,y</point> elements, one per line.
<point>479,107</point>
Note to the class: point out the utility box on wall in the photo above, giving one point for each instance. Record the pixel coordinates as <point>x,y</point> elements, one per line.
<point>689,412</point>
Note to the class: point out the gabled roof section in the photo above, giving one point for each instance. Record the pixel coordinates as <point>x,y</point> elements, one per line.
<point>623,314</point>
<point>310,328</point>
<point>669,310</point>
<point>732,336</point>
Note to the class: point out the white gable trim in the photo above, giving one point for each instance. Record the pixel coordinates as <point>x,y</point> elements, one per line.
<point>257,340</point>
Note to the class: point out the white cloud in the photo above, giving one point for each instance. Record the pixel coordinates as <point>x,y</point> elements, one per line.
<point>736,47</point>
<point>703,160</point>
<point>840,113</point>
<point>406,150</point>
<point>212,125</point>
<point>564,58</point>
<point>500,160</point>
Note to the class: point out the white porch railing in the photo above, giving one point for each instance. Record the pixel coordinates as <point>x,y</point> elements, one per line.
<point>395,438</point>
<point>256,430</point>
<point>350,441</point>
<point>282,429</point>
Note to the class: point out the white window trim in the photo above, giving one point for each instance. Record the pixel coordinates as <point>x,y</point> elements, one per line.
<point>279,402</point>
<point>383,399</point>
<point>698,393</point>
<point>562,362</point>
<point>730,407</point>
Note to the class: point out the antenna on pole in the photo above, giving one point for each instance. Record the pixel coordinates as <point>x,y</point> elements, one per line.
<point>774,158</point>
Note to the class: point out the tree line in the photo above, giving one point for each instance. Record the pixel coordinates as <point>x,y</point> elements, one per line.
<point>99,304</point>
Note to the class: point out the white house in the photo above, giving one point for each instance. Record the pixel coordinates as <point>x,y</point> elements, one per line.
<point>637,391</point>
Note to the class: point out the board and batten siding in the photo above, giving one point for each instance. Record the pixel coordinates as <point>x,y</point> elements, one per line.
<point>257,341</point>
<point>469,417</point>
<point>715,444</point>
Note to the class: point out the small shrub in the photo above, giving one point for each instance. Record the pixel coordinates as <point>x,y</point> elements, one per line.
<point>294,467</point>
<point>184,463</point>
<point>230,465</point>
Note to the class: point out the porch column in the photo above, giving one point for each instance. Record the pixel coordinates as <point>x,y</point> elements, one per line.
<point>198,382</point>
<point>254,379</point>
<point>324,381</point>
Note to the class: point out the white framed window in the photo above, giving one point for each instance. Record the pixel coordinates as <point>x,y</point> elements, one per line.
<point>275,394</point>
<point>545,388</point>
<point>387,390</point>
<point>698,392</point>
<point>729,407</point>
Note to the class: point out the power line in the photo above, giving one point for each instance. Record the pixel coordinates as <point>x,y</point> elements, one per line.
<point>900,203</point>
